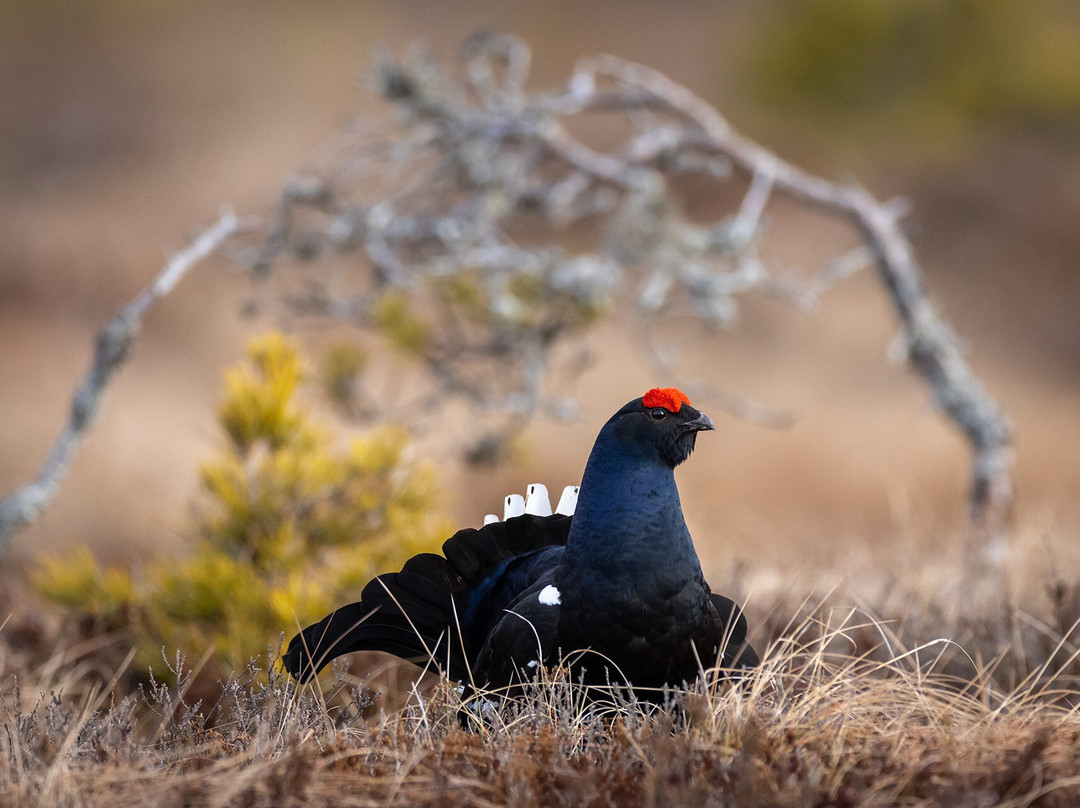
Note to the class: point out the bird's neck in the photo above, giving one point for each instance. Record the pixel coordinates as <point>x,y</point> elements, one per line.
<point>628,514</point>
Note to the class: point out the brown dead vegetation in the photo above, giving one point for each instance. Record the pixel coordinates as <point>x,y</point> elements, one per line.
<point>847,710</point>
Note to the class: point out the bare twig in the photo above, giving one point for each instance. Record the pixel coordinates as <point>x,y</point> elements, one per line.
<point>22,507</point>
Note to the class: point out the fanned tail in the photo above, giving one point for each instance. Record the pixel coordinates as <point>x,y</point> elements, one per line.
<point>414,613</point>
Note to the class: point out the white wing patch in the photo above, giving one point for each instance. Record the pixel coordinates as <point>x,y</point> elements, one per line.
<point>550,595</point>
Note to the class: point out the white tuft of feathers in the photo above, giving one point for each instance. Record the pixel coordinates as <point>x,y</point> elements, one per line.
<point>537,502</point>
<point>513,505</point>
<point>568,501</point>
<point>550,595</point>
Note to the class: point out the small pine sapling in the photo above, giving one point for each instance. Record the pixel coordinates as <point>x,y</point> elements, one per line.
<point>289,524</point>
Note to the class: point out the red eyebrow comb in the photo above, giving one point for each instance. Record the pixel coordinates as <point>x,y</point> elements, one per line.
<point>670,398</point>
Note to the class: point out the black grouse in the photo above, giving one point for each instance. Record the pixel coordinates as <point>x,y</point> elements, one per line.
<point>619,579</point>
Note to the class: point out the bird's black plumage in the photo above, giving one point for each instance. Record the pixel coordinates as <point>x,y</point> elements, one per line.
<point>619,580</point>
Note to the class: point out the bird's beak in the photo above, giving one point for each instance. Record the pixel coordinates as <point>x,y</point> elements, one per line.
<point>702,423</point>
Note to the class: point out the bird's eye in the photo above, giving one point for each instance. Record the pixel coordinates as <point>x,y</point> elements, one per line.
<point>659,413</point>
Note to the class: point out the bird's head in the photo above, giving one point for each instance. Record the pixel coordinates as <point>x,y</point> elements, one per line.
<point>661,425</point>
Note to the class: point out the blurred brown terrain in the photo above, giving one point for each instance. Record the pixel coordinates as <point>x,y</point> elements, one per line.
<point>124,128</point>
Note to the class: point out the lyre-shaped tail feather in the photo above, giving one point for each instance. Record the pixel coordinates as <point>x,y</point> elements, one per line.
<point>408,613</point>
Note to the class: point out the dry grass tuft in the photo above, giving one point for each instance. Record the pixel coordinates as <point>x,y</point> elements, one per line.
<point>846,710</point>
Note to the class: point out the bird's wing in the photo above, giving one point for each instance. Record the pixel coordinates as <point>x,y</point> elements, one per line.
<point>487,603</point>
<point>524,638</point>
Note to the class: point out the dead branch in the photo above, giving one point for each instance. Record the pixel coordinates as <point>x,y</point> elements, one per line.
<point>24,506</point>
<point>932,349</point>
<point>437,203</point>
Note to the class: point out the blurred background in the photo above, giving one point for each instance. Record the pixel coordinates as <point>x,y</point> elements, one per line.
<point>124,128</point>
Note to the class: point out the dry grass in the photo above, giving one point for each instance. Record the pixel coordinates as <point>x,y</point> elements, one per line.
<point>847,709</point>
